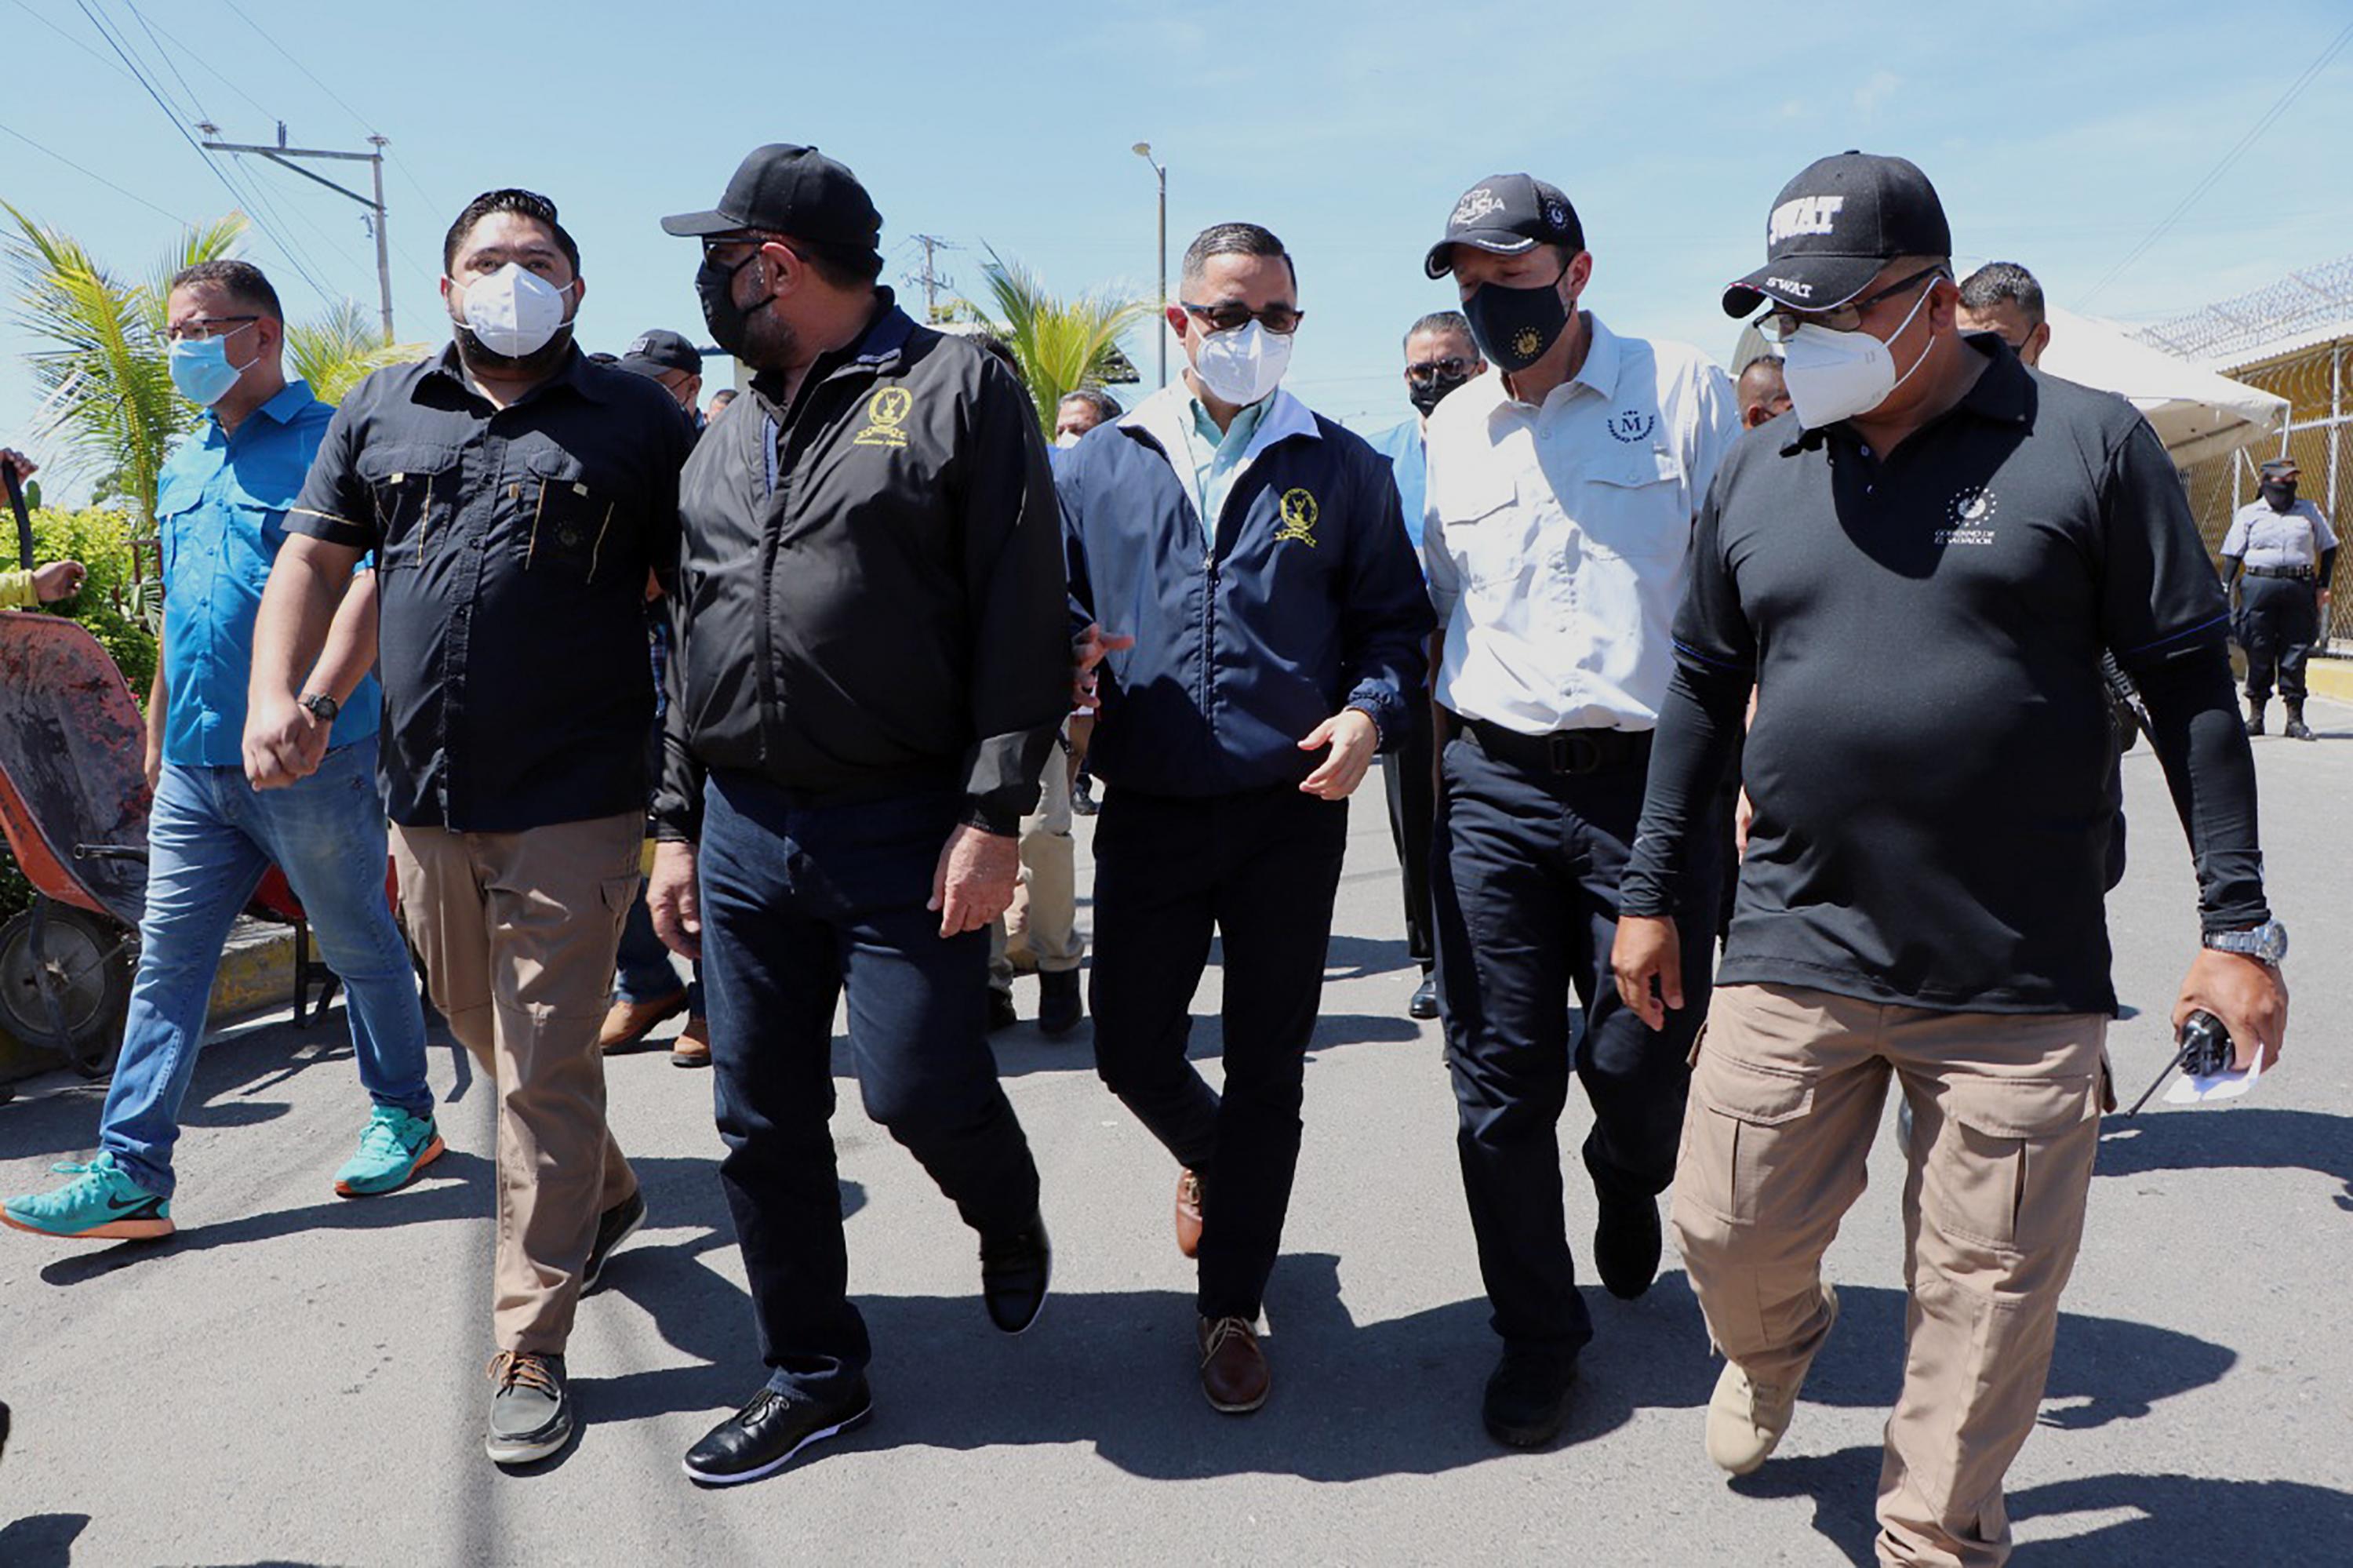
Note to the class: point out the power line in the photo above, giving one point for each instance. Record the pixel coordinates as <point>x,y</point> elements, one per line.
<point>215,71</point>
<point>365,125</point>
<point>68,37</point>
<point>2214,176</point>
<point>92,174</point>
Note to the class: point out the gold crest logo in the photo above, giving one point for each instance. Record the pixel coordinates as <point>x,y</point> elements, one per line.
<point>1527,343</point>
<point>886,411</point>
<point>1298,517</point>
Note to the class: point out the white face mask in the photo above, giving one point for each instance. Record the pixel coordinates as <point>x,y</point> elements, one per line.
<point>1835,375</point>
<point>1067,438</point>
<point>1244,366</point>
<point>514,312</point>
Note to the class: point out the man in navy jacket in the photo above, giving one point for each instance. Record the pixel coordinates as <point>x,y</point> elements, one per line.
<point>1252,553</point>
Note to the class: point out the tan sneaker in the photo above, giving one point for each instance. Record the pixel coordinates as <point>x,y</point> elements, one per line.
<point>693,1046</point>
<point>625,1022</point>
<point>1745,1419</point>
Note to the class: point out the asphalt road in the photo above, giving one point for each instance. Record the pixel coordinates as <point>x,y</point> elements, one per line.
<point>297,1378</point>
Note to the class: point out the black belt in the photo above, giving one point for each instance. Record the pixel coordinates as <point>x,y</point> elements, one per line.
<point>1564,750</point>
<point>2294,573</point>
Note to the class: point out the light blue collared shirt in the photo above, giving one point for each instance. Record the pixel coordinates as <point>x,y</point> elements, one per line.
<point>1216,456</point>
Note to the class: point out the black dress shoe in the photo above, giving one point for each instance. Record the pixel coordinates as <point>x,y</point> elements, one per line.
<point>1000,1009</point>
<point>762,1438</point>
<point>614,1226</point>
<point>1014,1270</point>
<point>1527,1396</point>
<point>1058,1009</point>
<point>1425,998</point>
<point>1627,1244</point>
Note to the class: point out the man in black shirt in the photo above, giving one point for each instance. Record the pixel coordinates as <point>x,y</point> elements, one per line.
<point>873,659</point>
<point>1919,567</point>
<point>516,496</point>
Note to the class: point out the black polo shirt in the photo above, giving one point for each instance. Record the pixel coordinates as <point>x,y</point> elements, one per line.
<point>511,546</point>
<point>1931,750</point>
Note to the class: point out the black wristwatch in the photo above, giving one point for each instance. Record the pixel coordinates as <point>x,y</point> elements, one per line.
<point>2266,942</point>
<point>322,706</point>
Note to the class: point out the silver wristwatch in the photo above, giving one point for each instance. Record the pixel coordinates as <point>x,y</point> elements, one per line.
<point>2267,942</point>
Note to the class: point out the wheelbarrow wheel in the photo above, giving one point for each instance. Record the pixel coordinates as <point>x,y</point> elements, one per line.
<point>67,988</point>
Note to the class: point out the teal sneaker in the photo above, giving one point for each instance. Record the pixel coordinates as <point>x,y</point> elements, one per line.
<point>394,1147</point>
<point>101,1203</point>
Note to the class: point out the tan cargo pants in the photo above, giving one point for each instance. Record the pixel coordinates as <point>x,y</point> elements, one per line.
<point>1786,1095</point>
<point>1039,929</point>
<point>518,933</point>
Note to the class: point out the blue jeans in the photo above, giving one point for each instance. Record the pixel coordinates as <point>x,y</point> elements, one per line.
<point>209,839</point>
<point>799,903</point>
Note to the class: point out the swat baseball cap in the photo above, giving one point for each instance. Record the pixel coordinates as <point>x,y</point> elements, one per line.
<point>1835,225</point>
<point>1507,214</point>
<point>659,350</point>
<point>783,189</point>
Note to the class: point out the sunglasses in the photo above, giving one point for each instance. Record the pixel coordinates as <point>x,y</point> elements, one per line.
<point>1279,320</point>
<point>1782,323</point>
<point>1453,367</point>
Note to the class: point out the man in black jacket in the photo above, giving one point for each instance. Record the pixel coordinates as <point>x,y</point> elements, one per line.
<point>872,659</point>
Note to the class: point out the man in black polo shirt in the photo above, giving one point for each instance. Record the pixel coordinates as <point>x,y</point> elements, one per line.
<point>874,658</point>
<point>516,496</point>
<point>1919,569</point>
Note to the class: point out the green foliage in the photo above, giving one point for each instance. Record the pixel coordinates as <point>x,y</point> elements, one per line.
<point>334,353</point>
<point>1062,344</point>
<point>101,538</point>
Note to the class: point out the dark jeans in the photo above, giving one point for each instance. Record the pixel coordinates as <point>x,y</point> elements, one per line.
<point>642,971</point>
<point>1261,868</point>
<point>2279,621</point>
<point>1527,874</point>
<point>798,903</point>
<point>1413,814</point>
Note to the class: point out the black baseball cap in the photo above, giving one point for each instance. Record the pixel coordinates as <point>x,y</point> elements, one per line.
<point>661,349</point>
<point>1835,225</point>
<point>2279,465</point>
<point>1507,214</point>
<point>783,189</point>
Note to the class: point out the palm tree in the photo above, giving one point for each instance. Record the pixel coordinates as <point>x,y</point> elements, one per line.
<point>104,371</point>
<point>1062,344</point>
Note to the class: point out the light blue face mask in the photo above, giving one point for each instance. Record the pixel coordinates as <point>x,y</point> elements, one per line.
<point>201,370</point>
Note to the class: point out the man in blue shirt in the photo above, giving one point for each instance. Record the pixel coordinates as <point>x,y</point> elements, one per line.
<point>221,510</point>
<point>1439,357</point>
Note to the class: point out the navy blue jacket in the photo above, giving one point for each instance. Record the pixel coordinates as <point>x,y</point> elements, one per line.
<point>1311,601</point>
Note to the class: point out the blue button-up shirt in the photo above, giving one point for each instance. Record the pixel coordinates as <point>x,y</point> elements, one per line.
<point>220,507</point>
<point>1401,444</point>
<point>1217,456</point>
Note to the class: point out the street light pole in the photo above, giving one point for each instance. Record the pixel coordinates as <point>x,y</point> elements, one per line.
<point>1144,150</point>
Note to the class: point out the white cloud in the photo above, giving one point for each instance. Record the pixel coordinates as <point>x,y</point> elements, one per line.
<point>1876,90</point>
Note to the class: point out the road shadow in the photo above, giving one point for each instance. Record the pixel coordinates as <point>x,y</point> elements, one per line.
<point>41,1540</point>
<point>1359,958</point>
<point>2243,1137</point>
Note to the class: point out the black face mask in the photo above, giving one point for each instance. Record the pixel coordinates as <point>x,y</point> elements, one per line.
<point>1515,327</point>
<point>1426,396</point>
<point>2281,496</point>
<point>714,286</point>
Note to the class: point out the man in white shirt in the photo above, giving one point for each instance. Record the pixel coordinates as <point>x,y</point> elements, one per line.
<point>1562,490</point>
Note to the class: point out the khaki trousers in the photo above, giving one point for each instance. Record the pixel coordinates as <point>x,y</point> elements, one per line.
<point>518,932</point>
<point>1786,1095</point>
<point>1040,927</point>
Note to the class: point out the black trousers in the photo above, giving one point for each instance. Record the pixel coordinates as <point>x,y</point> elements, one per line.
<point>2279,621</point>
<point>1526,882</point>
<point>1261,868</point>
<point>800,904</point>
<point>1406,774</point>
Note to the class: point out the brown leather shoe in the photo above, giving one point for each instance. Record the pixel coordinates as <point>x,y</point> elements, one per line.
<point>625,1022</point>
<point>1189,1213</point>
<point>1234,1368</point>
<point>693,1046</point>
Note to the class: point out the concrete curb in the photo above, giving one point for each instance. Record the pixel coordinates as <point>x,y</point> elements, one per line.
<point>257,973</point>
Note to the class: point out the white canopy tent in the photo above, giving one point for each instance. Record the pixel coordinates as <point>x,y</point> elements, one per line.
<point>2197,413</point>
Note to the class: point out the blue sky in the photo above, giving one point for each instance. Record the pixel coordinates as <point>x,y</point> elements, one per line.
<point>2059,134</point>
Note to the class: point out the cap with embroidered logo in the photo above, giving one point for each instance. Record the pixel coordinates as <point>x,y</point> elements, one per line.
<point>1507,214</point>
<point>1835,225</point>
<point>661,349</point>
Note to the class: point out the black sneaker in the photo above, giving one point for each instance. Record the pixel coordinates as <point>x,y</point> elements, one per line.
<point>1058,1009</point>
<point>1527,1398</point>
<point>762,1438</point>
<point>1425,998</point>
<point>1626,1245</point>
<point>614,1226</point>
<point>1014,1272</point>
<point>1082,796</point>
<point>1000,1009</point>
<point>2297,728</point>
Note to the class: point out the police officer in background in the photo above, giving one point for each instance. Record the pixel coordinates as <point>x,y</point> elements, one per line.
<point>1562,491</point>
<point>2004,299</point>
<point>872,657</point>
<point>2277,558</point>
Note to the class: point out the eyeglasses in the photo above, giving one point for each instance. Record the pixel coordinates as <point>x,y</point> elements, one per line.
<point>1782,323</point>
<point>1231,316</point>
<point>197,328</point>
<point>1453,367</point>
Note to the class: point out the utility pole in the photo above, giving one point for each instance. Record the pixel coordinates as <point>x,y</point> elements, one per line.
<point>284,155</point>
<point>931,281</point>
<point>1144,150</point>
